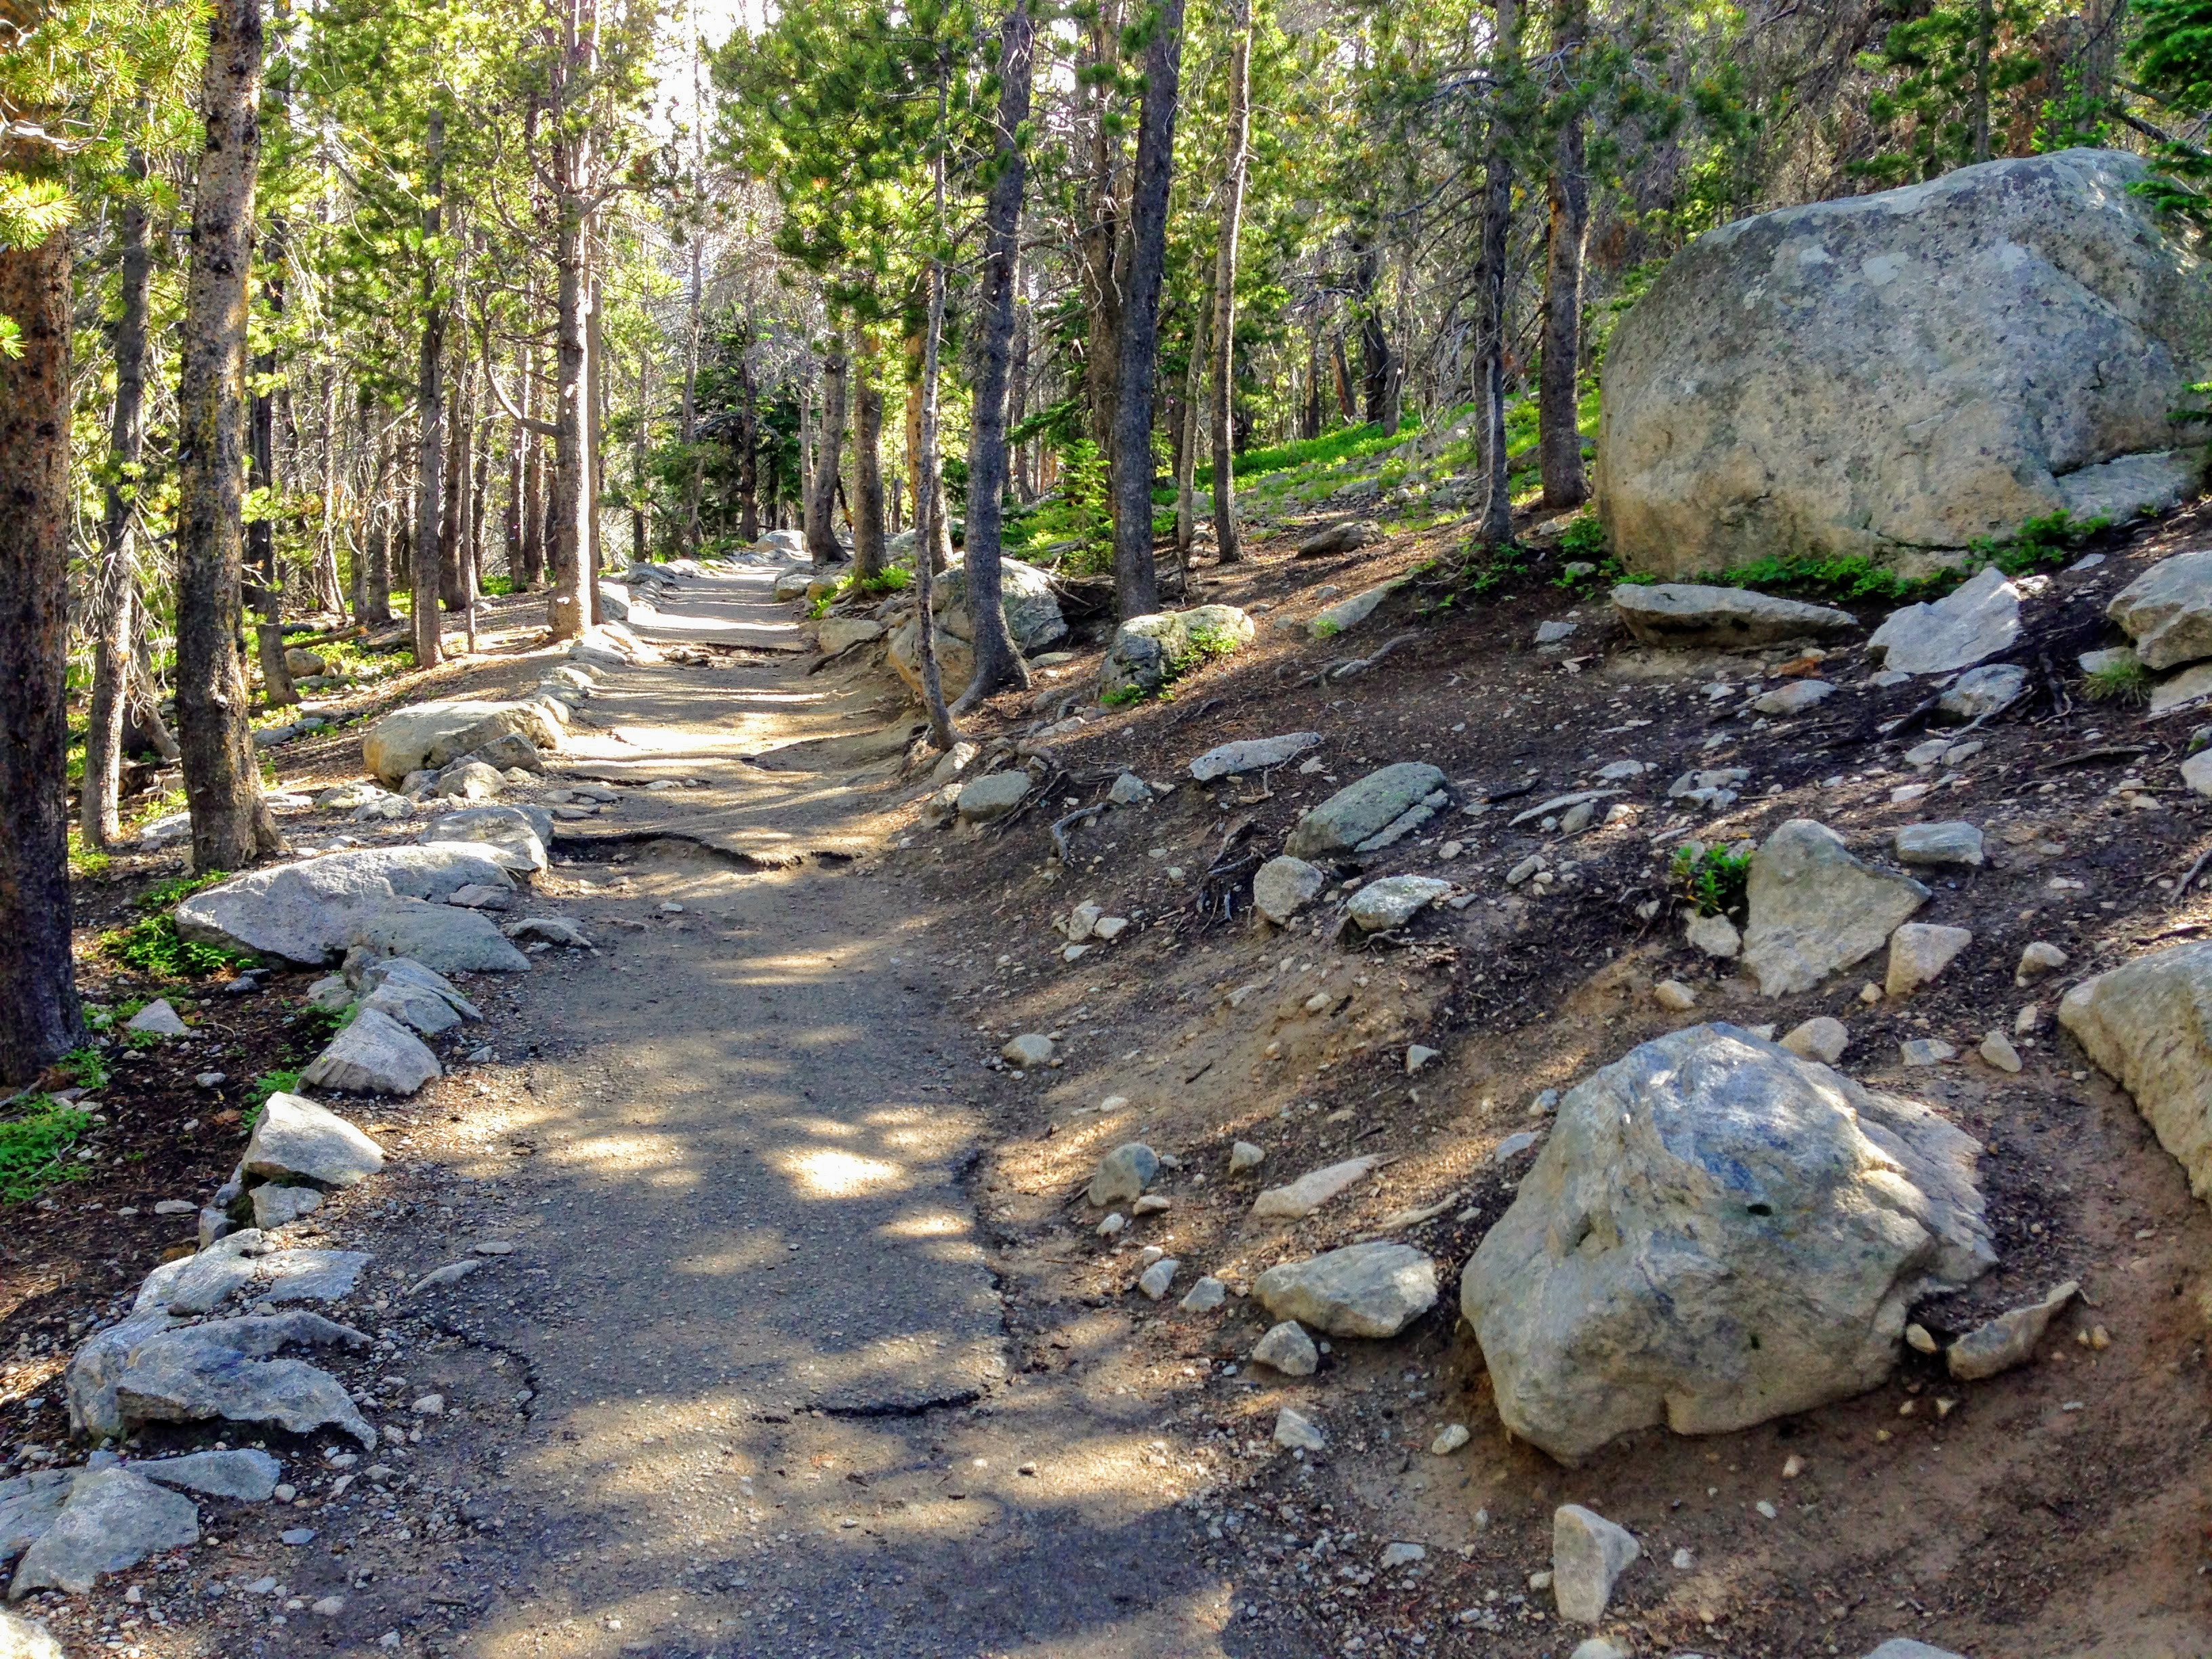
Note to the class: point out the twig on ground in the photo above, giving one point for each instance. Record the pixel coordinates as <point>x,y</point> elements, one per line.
<point>2195,870</point>
<point>1061,826</point>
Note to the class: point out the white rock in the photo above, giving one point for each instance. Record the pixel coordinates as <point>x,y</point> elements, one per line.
<point>1244,1155</point>
<point>1589,1555</point>
<point>1395,901</point>
<point>991,796</point>
<point>1417,1057</point>
<point>374,1055</point>
<point>1123,1174</point>
<point>1252,755</point>
<point>1814,909</point>
<point>1295,1432</point>
<point>1288,1349</point>
<point>1714,936</point>
<point>2009,1340</point>
<point>1996,1050</point>
<point>1794,698</point>
<point>1919,952</point>
<point>1706,1185</point>
<point>1284,886</point>
<point>1968,625</point>
<point>1682,614</point>
<point>1904,1647</point>
<point>2167,610</point>
<point>113,1520</point>
<point>26,1638</point>
<point>1925,1051</point>
<point>1302,1197</point>
<point>1982,691</point>
<point>1031,1048</point>
<point>1401,1554</point>
<point>1674,996</point>
<point>1953,842</point>
<point>1449,1440</point>
<point>1820,1038</point>
<point>2038,961</point>
<point>1206,1296</point>
<point>1157,1278</point>
<point>296,1140</point>
<point>1361,1289</point>
<point>158,1018</point>
<point>2148,1024</point>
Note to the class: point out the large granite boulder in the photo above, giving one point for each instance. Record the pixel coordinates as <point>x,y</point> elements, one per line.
<point>1149,652</point>
<point>1897,375</point>
<point>387,898</point>
<point>516,836</point>
<point>114,1519</point>
<point>1813,910</point>
<point>1717,1232</point>
<point>430,734</point>
<point>1033,618</point>
<point>2148,1022</point>
<point>1366,812</point>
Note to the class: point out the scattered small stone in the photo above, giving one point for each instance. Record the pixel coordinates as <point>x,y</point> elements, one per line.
<point>1918,951</point>
<point>1401,1555</point>
<point>1589,1554</point>
<point>1206,1296</point>
<point>1311,1190</point>
<point>1820,1038</point>
<point>1030,1049</point>
<point>1123,1174</point>
<point>1417,1057</point>
<point>1295,1432</point>
<point>1287,1348</point>
<point>1244,1155</point>
<point>1996,1050</point>
<point>1714,936</point>
<point>1112,1225</point>
<point>159,1017</point>
<point>1953,842</point>
<point>1674,996</point>
<point>1157,1277</point>
<point>1926,1051</point>
<point>2038,961</point>
<point>450,1273</point>
<point>2009,1340</point>
<point>1513,1145</point>
<point>296,1537</point>
<point>1455,1436</point>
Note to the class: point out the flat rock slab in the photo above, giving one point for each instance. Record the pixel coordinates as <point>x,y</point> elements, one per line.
<point>311,912</point>
<point>2148,1024</point>
<point>243,1473</point>
<point>1814,909</point>
<point>1284,886</point>
<point>2167,610</point>
<point>28,1504</point>
<point>1693,614</point>
<point>1361,1289</point>
<point>422,1012</point>
<point>1968,625</point>
<point>2009,1340</point>
<point>221,1369</point>
<point>430,734</point>
<point>516,836</point>
<point>374,1055</point>
<point>297,1140</point>
<point>1302,1197</point>
<point>1393,901</point>
<point>1252,755</point>
<point>1347,614</point>
<point>1951,842</point>
<point>1359,812</point>
<point>113,1520</point>
<point>989,797</point>
<point>1708,1185</point>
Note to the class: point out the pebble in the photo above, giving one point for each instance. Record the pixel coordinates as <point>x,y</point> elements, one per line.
<point>1295,1432</point>
<point>1589,1554</point>
<point>1288,1349</point>
<point>1112,1225</point>
<point>1997,1050</point>
<point>1402,1555</point>
<point>1157,1277</point>
<point>1243,1155</point>
<point>1450,1440</point>
<point>1206,1296</point>
<point>330,1607</point>
<point>2037,961</point>
<point>1673,995</point>
<point>1418,1056</point>
<point>1819,1038</point>
<point>1031,1048</point>
<point>1152,1204</point>
<point>1926,1051</point>
<point>295,1537</point>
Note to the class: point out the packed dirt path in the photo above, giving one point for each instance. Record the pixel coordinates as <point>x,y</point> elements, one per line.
<point>774,1410</point>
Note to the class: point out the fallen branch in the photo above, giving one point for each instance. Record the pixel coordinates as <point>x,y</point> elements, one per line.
<point>1061,826</point>
<point>2193,871</point>
<point>2087,756</point>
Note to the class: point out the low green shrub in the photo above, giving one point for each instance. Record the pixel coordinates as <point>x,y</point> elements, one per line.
<point>1714,878</point>
<point>35,1146</point>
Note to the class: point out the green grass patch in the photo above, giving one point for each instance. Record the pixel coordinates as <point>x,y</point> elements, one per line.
<point>2038,545</point>
<point>152,944</point>
<point>85,1068</point>
<point>2124,682</point>
<point>36,1144</point>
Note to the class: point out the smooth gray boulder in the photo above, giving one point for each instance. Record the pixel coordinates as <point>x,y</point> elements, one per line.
<point>1362,813</point>
<point>468,780</point>
<point>1347,537</point>
<point>1692,615</point>
<point>1896,375</point>
<point>374,1055</point>
<point>28,1504</point>
<point>313,911</point>
<point>1980,692</point>
<point>429,735</point>
<point>420,1011</point>
<point>298,1141</point>
<point>2148,1024</point>
<point>991,796</point>
<point>1252,755</point>
<point>2167,610</point>
<point>1147,652</point>
<point>1123,1174</point>
<point>1393,901</point>
<point>277,1206</point>
<point>442,936</point>
<point>516,836</point>
<point>1361,1289</point>
<point>1284,886</point>
<point>113,1520</point>
<point>1970,624</point>
<point>1718,1232</point>
<point>242,1473</point>
<point>1028,597</point>
<point>1813,910</point>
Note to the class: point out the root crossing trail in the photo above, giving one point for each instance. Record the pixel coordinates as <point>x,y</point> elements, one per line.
<point>775,1411</point>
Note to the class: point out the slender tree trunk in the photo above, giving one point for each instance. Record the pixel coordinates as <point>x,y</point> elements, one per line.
<point>1098,245</point>
<point>1496,527</point>
<point>1189,428</point>
<point>941,730</point>
<point>1136,589</point>
<point>1018,398</point>
<point>262,581</point>
<point>480,477</point>
<point>532,568</point>
<point>1341,366</point>
<point>749,528</point>
<point>571,551</point>
<point>1560,441</point>
<point>595,403</point>
<point>1310,412</point>
<point>116,600</point>
<point>145,692</point>
<point>1227,545</point>
<point>231,823</point>
<point>453,515</point>
<point>822,544</point>
<point>998,664</point>
<point>374,606</point>
<point>1374,342</point>
<point>39,1017</point>
<point>695,462</point>
<point>330,587</point>
<point>867,459</point>
<point>430,414</point>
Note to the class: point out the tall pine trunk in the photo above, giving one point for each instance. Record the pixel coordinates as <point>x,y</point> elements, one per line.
<point>1226,544</point>
<point>695,462</point>
<point>999,665</point>
<point>930,491</point>
<point>453,516</point>
<point>1560,441</point>
<point>867,459</point>
<point>373,583</point>
<point>1373,339</point>
<point>1098,242</point>
<point>231,823</point>
<point>262,581</point>
<point>749,528</point>
<point>595,403</point>
<point>1496,527</point>
<point>571,419</point>
<point>822,543</point>
<point>1187,435</point>
<point>426,574</point>
<point>1136,588</point>
<point>115,605</point>
<point>40,1018</point>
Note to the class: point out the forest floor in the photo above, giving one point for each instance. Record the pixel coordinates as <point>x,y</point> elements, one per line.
<point>807,1343</point>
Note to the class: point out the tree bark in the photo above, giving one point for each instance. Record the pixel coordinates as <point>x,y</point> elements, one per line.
<point>695,464</point>
<point>998,664</point>
<point>1560,441</point>
<point>231,823</point>
<point>1098,243</point>
<point>373,604</point>
<point>425,577</point>
<point>1227,546</point>
<point>1374,341</point>
<point>533,570</point>
<point>595,404</point>
<point>867,460</point>
<point>941,730</point>
<point>40,1017</point>
<point>822,543</point>
<point>1136,589</point>
<point>453,515</point>
<point>116,598</point>
<point>571,553</point>
<point>1187,435</point>
<point>1496,527</point>
<point>749,528</point>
